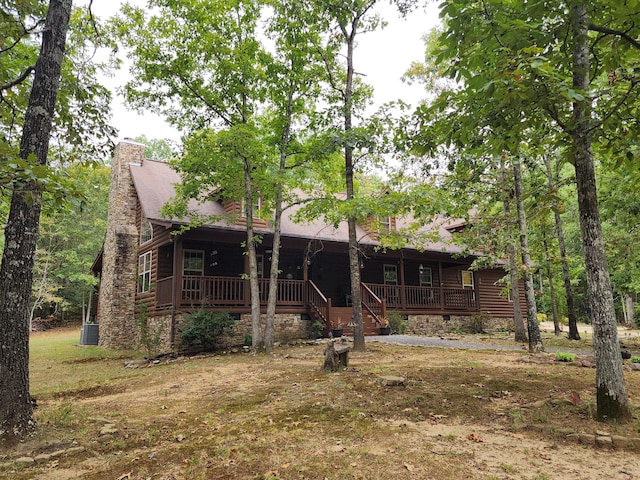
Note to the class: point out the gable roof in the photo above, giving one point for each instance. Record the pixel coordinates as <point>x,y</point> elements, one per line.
<point>154,183</point>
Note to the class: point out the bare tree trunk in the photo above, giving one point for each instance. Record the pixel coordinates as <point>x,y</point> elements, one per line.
<point>514,275</point>
<point>275,255</point>
<point>257,339</point>
<point>627,308</point>
<point>566,278</point>
<point>557,329</point>
<point>611,393</point>
<point>535,340</point>
<point>354,251</point>
<point>21,231</point>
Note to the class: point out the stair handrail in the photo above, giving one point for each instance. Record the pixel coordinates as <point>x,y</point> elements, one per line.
<point>377,308</point>
<point>319,304</point>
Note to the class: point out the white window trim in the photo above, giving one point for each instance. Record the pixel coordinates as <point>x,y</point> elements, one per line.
<point>391,267</point>
<point>385,223</point>
<point>144,272</point>
<point>184,254</point>
<point>145,228</point>
<point>470,275</point>
<point>256,207</point>
<point>422,270</point>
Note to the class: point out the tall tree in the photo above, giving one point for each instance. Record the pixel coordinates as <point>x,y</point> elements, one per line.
<point>243,120</point>
<point>610,386</point>
<point>540,59</point>
<point>16,271</point>
<point>514,276</point>
<point>201,65</point>
<point>352,18</point>
<point>566,278</point>
<point>535,340</point>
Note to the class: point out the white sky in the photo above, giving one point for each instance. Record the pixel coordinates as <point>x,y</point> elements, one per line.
<point>382,56</point>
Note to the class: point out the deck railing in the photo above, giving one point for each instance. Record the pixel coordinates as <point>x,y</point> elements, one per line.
<point>227,291</point>
<point>427,298</point>
<point>163,292</point>
<point>290,292</point>
<point>234,292</point>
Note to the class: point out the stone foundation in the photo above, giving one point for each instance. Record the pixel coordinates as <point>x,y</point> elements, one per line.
<point>433,325</point>
<point>289,327</point>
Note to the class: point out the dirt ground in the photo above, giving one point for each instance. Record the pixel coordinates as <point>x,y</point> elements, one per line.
<point>456,414</point>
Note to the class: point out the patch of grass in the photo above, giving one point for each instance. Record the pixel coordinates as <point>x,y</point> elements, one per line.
<point>219,416</point>
<point>505,467</point>
<point>57,364</point>
<point>635,359</point>
<point>565,357</point>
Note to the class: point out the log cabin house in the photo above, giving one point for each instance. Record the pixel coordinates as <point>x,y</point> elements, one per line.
<point>145,261</point>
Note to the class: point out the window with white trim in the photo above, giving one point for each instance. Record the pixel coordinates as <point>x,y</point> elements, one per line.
<point>467,279</point>
<point>256,206</point>
<point>144,272</point>
<point>385,224</point>
<point>425,276</point>
<point>146,230</point>
<point>193,262</point>
<point>390,274</point>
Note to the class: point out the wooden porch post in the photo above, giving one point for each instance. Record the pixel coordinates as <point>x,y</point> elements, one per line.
<point>176,284</point>
<point>246,291</point>
<point>403,293</point>
<point>441,285</point>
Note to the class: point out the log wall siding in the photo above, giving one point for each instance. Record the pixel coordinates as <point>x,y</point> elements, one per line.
<point>161,267</point>
<point>235,208</point>
<point>492,303</point>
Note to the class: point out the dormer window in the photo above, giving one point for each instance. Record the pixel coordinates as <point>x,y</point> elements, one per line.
<point>256,206</point>
<point>385,224</point>
<point>146,230</point>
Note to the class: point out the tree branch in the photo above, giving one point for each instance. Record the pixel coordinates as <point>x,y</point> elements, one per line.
<point>18,80</point>
<point>609,31</point>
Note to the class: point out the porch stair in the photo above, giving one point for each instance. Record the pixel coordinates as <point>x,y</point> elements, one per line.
<point>343,316</point>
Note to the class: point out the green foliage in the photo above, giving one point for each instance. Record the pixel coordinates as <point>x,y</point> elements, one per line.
<point>204,328</point>
<point>478,323</point>
<point>69,238</point>
<point>150,335</point>
<point>158,148</point>
<point>397,324</point>
<point>316,330</point>
<point>565,357</point>
<point>635,359</point>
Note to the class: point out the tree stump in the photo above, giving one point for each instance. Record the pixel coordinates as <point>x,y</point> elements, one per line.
<point>336,356</point>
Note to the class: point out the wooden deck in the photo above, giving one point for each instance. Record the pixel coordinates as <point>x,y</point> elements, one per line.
<point>233,293</point>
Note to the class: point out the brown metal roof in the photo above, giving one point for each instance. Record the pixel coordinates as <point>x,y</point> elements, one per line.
<point>154,182</point>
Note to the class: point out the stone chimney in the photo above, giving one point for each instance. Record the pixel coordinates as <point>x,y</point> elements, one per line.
<point>116,303</point>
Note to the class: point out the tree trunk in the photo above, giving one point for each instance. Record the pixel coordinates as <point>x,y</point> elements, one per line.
<point>557,329</point>
<point>566,278</point>
<point>514,276</point>
<point>277,222</point>
<point>535,340</point>
<point>354,251</point>
<point>272,298</point>
<point>611,394</point>
<point>518,320</point>
<point>257,339</point>
<point>627,308</point>
<point>16,271</point>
